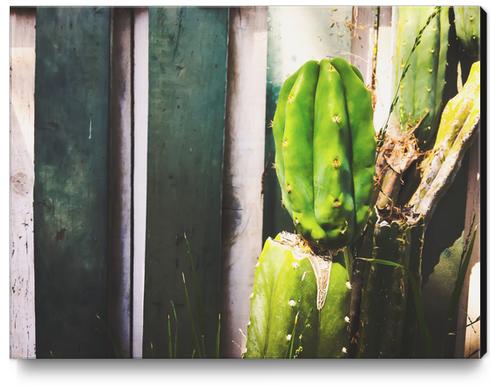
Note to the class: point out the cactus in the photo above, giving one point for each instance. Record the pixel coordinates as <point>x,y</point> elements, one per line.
<point>420,89</point>
<point>300,302</point>
<point>467,22</point>
<point>391,307</point>
<point>438,292</point>
<point>384,294</point>
<point>457,129</point>
<point>325,151</point>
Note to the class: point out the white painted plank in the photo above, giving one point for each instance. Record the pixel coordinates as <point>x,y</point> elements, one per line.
<point>363,32</point>
<point>22,70</point>
<point>298,34</point>
<point>363,49</point>
<point>139,172</point>
<point>384,68</point>
<point>120,182</point>
<point>472,336</point>
<point>244,165</point>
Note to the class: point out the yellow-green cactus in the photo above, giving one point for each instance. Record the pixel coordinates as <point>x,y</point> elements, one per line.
<point>325,151</point>
<point>458,125</point>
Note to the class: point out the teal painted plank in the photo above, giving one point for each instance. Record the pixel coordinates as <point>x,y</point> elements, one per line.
<point>187,86</point>
<point>70,192</point>
<point>295,35</point>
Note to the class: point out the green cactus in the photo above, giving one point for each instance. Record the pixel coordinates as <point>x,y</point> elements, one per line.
<point>325,151</point>
<point>467,22</point>
<point>420,90</point>
<point>300,303</point>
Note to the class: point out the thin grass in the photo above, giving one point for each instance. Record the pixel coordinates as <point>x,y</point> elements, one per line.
<point>176,329</point>
<point>192,318</point>
<point>218,337</point>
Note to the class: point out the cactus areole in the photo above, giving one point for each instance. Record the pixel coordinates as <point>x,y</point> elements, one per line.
<point>325,151</point>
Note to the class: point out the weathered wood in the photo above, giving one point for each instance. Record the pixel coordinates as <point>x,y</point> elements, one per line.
<point>295,36</point>
<point>372,51</point>
<point>22,68</point>
<point>244,165</point>
<point>140,144</point>
<point>120,178</point>
<point>364,29</point>
<point>187,82</point>
<point>384,67</point>
<point>71,191</point>
<point>468,337</point>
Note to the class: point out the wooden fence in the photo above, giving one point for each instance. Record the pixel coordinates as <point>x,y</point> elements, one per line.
<point>147,132</point>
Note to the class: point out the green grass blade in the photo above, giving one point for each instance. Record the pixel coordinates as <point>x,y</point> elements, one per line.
<point>176,332</point>
<point>191,316</point>
<point>169,332</point>
<point>218,337</point>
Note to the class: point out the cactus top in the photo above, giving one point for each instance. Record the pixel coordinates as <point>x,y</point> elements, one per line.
<point>325,151</point>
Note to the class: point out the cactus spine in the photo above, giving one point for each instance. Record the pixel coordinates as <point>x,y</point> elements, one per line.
<point>420,93</point>
<point>325,151</point>
<point>290,316</point>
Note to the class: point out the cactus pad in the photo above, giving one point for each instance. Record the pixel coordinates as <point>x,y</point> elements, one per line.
<point>325,151</point>
<point>420,92</point>
<point>467,22</point>
<point>299,304</point>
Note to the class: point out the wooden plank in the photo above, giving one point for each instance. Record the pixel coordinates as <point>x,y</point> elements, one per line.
<point>364,29</point>
<point>468,336</point>
<point>372,49</point>
<point>120,179</point>
<point>139,172</point>
<point>296,34</point>
<point>244,165</point>
<point>71,192</point>
<point>187,81</point>
<point>22,69</point>
<point>384,67</point>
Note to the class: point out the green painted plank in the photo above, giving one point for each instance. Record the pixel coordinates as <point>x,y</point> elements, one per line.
<point>70,192</point>
<point>295,35</point>
<point>187,87</point>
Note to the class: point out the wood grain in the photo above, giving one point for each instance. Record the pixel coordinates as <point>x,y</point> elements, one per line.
<point>71,187</point>
<point>139,173</point>
<point>187,84</point>
<point>22,69</point>
<point>468,338</point>
<point>120,182</point>
<point>244,165</point>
